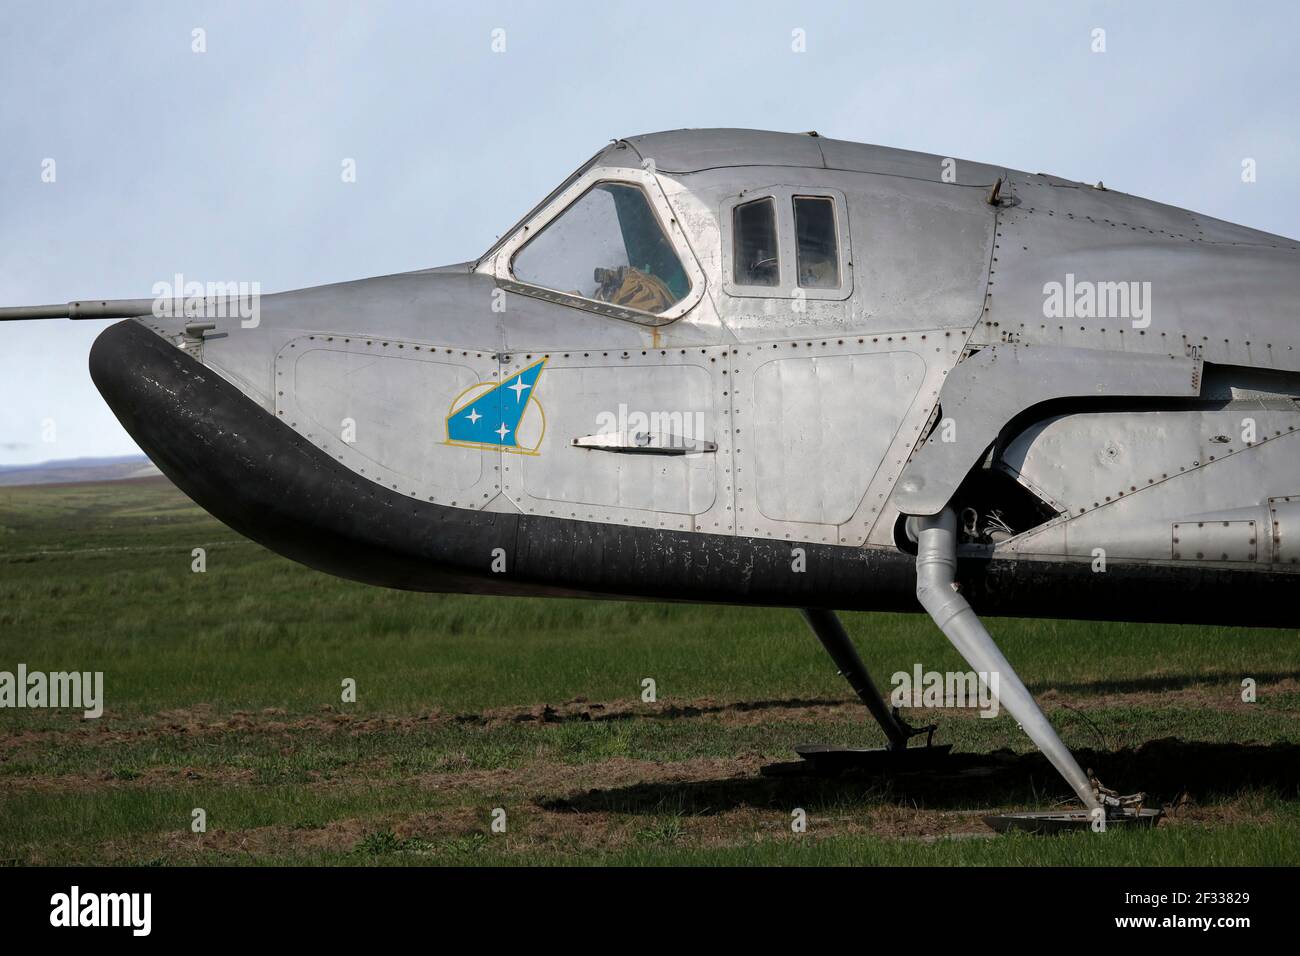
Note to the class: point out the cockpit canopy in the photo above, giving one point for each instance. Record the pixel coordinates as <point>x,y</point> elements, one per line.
<point>607,246</point>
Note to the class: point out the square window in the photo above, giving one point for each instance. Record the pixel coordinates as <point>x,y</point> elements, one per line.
<point>817,245</point>
<point>756,257</point>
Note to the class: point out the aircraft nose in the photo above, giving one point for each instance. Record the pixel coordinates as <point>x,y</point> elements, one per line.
<point>260,477</point>
<point>216,444</point>
<point>143,380</point>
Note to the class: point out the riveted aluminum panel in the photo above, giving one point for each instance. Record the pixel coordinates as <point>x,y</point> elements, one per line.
<point>379,406</point>
<point>865,410</point>
<point>1226,295</point>
<point>1078,463</point>
<point>994,385</point>
<point>1215,540</point>
<point>822,426</point>
<point>586,393</point>
<point>1123,480</point>
<point>1284,529</point>
<point>689,150</point>
<point>920,257</point>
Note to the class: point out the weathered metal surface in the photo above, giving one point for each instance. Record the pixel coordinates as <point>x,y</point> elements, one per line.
<point>266,481</point>
<point>996,384</point>
<point>1123,480</point>
<point>378,405</point>
<point>1284,529</point>
<point>1226,293</point>
<point>816,399</point>
<point>1215,540</point>
<point>590,392</point>
<point>1053,821</point>
<point>816,443</point>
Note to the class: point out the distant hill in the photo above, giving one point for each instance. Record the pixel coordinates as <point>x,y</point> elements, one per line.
<point>72,470</point>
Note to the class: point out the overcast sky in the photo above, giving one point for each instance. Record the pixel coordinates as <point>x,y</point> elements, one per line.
<point>225,165</point>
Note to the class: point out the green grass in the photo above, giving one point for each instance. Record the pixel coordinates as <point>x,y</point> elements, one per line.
<point>223,692</point>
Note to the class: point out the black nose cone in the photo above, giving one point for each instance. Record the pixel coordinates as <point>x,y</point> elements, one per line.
<point>252,471</point>
<point>150,385</point>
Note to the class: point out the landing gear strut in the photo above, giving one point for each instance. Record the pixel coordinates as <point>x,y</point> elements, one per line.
<point>936,589</point>
<point>936,568</point>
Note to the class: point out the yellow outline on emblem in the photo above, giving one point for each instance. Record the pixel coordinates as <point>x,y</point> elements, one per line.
<point>507,449</point>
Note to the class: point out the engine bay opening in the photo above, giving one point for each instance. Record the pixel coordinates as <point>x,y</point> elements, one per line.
<point>992,507</point>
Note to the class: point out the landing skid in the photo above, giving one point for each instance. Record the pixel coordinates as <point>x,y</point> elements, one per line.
<point>1068,821</point>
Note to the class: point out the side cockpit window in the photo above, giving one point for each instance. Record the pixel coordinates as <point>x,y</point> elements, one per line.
<point>608,246</point>
<point>754,237</point>
<point>786,242</point>
<point>817,248</point>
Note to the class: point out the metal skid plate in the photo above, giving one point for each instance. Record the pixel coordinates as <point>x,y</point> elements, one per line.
<point>1066,821</point>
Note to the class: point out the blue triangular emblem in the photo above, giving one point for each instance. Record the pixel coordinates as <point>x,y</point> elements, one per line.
<point>493,417</point>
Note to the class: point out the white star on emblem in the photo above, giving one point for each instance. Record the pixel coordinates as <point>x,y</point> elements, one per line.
<point>518,389</point>
<point>473,416</point>
<point>503,431</point>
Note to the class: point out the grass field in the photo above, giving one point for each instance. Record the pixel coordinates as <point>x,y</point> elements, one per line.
<point>223,692</point>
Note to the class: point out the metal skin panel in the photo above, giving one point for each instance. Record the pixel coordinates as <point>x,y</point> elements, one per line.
<point>1123,480</point>
<point>1078,462</point>
<point>690,150</point>
<point>585,401</point>
<point>1227,295</point>
<point>448,306</point>
<point>1215,540</point>
<point>822,426</point>
<point>694,150</point>
<point>989,388</point>
<point>911,395</point>
<point>1284,528</point>
<point>920,254</point>
<point>587,393</point>
<point>379,406</point>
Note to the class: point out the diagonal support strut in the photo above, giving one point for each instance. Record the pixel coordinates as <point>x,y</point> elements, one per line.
<point>826,625</point>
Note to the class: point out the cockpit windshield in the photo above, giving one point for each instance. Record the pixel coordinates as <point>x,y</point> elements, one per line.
<point>607,246</point>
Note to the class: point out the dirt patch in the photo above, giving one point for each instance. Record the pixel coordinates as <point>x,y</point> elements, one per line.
<point>150,778</point>
<point>1222,697</point>
<point>711,802</point>
<point>204,720</point>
